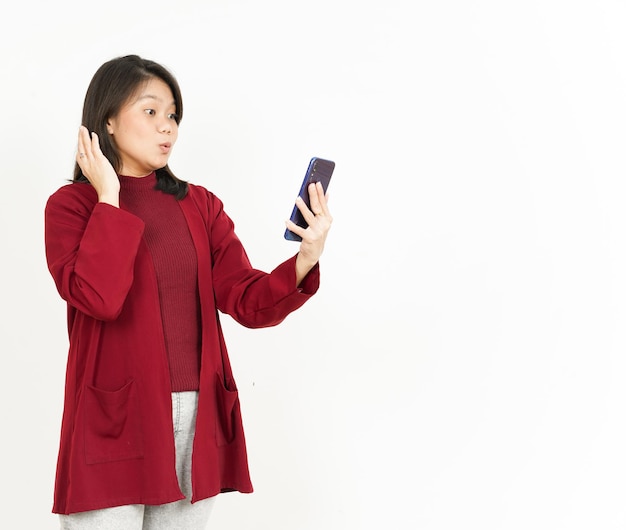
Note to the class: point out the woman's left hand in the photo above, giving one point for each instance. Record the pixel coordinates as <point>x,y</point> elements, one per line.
<point>314,236</point>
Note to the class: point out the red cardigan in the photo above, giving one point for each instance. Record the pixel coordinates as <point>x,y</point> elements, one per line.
<point>117,443</point>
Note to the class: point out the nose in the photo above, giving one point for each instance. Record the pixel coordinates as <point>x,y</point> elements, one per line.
<point>165,126</point>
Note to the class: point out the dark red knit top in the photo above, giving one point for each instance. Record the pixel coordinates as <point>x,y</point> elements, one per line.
<point>176,265</point>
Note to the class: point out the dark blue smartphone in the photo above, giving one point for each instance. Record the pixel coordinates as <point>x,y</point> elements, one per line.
<point>319,170</point>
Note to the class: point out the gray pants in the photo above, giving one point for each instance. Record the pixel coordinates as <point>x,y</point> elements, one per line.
<point>180,515</point>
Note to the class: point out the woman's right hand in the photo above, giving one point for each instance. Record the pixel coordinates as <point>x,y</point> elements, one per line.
<point>97,168</point>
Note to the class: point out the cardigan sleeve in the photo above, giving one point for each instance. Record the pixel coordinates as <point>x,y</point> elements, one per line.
<point>90,251</point>
<point>252,297</point>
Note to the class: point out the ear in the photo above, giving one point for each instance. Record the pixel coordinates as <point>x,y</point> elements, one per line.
<point>109,127</point>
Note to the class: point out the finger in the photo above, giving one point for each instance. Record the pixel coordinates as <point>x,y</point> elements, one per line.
<point>308,215</point>
<point>314,192</point>
<point>319,200</point>
<point>86,145</point>
<point>95,144</point>
<point>323,198</point>
<point>80,154</point>
<point>296,229</point>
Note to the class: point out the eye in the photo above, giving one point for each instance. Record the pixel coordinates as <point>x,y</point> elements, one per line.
<point>173,116</point>
<point>151,112</point>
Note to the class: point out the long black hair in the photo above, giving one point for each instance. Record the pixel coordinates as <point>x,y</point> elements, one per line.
<point>113,84</point>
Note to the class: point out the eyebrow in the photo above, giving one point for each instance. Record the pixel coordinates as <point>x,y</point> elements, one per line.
<point>150,96</point>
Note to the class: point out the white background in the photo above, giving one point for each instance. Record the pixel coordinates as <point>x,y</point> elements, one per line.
<point>462,365</point>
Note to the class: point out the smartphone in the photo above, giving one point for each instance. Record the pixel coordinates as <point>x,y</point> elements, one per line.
<point>319,170</point>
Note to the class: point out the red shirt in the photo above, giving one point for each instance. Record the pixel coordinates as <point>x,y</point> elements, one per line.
<point>117,442</point>
<point>176,268</point>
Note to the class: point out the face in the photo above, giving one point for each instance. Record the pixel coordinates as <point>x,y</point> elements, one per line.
<point>145,129</point>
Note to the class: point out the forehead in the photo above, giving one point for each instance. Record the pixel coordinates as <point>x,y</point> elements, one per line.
<point>154,89</point>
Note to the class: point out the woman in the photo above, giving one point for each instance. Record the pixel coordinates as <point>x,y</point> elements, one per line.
<point>145,261</point>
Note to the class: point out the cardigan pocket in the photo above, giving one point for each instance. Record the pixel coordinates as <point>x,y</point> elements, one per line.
<point>112,424</point>
<point>228,418</point>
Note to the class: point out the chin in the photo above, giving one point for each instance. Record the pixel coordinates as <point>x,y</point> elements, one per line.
<point>158,164</point>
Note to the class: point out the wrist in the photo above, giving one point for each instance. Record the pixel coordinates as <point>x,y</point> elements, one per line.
<point>303,267</point>
<point>110,198</point>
